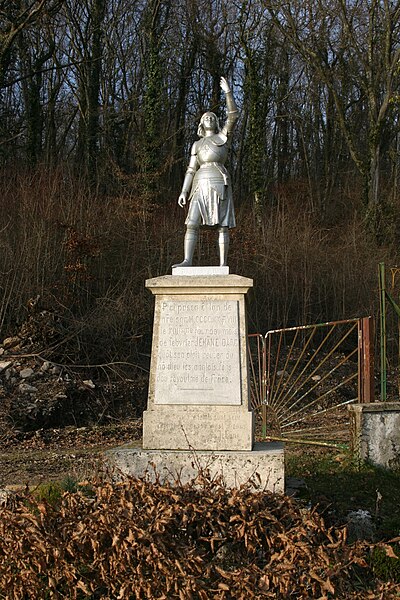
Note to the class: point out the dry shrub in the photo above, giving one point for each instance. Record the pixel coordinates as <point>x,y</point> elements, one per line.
<point>305,272</point>
<point>137,539</point>
<point>87,254</point>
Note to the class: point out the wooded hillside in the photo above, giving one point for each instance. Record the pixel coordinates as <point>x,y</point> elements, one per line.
<point>100,103</point>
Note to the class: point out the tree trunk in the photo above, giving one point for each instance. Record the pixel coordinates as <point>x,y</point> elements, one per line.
<point>93,88</point>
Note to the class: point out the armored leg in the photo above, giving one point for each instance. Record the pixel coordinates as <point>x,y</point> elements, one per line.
<point>189,245</point>
<point>223,245</point>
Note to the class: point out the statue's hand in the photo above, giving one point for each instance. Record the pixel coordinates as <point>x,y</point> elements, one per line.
<point>182,200</point>
<point>224,85</point>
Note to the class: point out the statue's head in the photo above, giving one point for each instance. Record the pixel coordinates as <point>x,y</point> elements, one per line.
<point>208,122</point>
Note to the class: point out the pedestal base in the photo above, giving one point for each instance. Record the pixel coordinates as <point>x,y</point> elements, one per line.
<point>263,466</point>
<point>200,271</point>
<point>183,427</point>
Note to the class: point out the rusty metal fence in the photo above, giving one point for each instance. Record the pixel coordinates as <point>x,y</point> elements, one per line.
<point>302,378</point>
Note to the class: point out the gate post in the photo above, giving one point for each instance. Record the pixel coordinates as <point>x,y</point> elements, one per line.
<point>366,387</point>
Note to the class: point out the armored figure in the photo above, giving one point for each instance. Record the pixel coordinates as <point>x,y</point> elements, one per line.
<point>207,184</point>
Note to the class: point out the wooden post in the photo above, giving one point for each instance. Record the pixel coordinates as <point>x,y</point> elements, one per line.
<point>366,361</point>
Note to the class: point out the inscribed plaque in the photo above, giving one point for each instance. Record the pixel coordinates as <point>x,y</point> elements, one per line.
<point>198,354</point>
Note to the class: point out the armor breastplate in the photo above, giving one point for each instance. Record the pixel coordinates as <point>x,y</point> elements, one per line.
<point>209,152</point>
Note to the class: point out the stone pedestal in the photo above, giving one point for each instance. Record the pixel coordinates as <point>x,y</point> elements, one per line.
<point>198,415</point>
<point>198,390</point>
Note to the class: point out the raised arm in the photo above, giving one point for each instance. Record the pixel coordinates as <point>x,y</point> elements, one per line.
<point>232,109</point>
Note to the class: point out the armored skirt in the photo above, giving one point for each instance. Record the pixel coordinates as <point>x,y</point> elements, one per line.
<point>211,200</point>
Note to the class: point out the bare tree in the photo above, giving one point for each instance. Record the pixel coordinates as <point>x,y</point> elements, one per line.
<point>15,18</point>
<point>350,40</point>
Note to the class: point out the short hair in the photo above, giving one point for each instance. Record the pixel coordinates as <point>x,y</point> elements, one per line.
<point>200,129</point>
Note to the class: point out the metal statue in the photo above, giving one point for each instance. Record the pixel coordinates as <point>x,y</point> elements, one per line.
<point>207,184</point>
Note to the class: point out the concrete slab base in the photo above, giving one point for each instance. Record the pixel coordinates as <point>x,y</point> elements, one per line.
<point>264,465</point>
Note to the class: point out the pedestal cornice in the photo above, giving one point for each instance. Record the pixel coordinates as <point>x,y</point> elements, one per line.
<point>187,285</point>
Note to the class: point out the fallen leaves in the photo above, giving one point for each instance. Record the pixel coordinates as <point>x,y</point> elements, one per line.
<point>143,540</point>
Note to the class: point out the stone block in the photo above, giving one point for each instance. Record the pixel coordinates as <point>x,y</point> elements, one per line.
<point>264,466</point>
<point>376,433</point>
<point>198,389</point>
<point>196,271</point>
<point>198,416</point>
<point>199,285</point>
<point>180,427</point>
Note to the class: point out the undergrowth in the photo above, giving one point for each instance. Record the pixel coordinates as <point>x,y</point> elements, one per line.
<point>78,258</point>
<point>53,491</point>
<point>385,562</point>
<point>337,484</point>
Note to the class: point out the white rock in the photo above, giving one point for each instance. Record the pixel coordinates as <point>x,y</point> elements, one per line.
<point>26,373</point>
<point>6,497</point>
<point>4,365</point>
<point>25,388</point>
<point>45,366</point>
<point>2,351</point>
<point>316,378</point>
<point>89,383</point>
<point>55,370</point>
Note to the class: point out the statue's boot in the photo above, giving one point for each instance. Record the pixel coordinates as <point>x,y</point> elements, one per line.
<point>189,246</point>
<point>223,246</point>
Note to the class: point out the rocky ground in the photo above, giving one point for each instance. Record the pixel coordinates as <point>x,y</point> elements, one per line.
<point>55,420</point>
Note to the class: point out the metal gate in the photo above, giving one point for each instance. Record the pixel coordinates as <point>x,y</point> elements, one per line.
<point>303,378</point>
